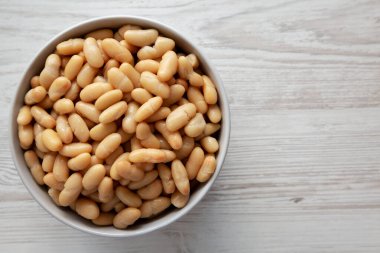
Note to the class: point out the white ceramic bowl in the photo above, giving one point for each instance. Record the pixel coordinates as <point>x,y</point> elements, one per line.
<point>40,193</point>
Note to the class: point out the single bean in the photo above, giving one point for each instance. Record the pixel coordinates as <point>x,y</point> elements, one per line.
<point>108,145</point>
<point>25,136</point>
<point>79,127</point>
<point>194,162</point>
<point>73,67</point>
<point>180,177</point>
<point>113,112</point>
<point>59,87</point>
<point>104,219</point>
<point>24,116</point>
<point>126,217</point>
<point>207,169</point>
<point>63,106</point>
<point>105,190</point>
<point>210,144</point>
<point>173,138</point>
<point>153,207</point>
<point>195,96</point>
<point>168,66</point>
<point>149,177</point>
<point>214,114</point>
<point>92,53</point>
<point>179,200</point>
<point>151,191</point>
<point>209,91</point>
<point>71,190</point>
<point>116,51</point>
<point>74,149</point>
<point>128,197</point>
<point>150,82</point>
<point>101,130</point>
<point>86,75</point>
<point>70,47</point>
<point>141,95</point>
<point>51,140</point>
<point>34,165</point>
<point>60,169</point>
<point>141,38</point>
<point>87,208</point>
<point>50,71</point>
<point>48,161</point>
<point>148,109</point>
<point>129,124</point>
<point>80,162</point>
<point>150,155</point>
<point>147,65</point>
<point>35,95</point>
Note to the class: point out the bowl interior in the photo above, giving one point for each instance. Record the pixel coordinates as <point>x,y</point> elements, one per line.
<point>40,193</point>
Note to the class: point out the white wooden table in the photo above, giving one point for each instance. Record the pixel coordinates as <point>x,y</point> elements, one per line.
<point>303,169</point>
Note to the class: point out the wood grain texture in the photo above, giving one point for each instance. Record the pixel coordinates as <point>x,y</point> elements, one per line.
<point>303,169</point>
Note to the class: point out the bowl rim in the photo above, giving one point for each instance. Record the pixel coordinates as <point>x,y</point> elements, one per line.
<point>226,126</point>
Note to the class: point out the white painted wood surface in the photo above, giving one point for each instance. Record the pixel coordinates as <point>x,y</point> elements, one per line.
<point>303,169</point>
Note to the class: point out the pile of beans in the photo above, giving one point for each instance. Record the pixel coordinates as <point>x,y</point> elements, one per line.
<point>120,125</point>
